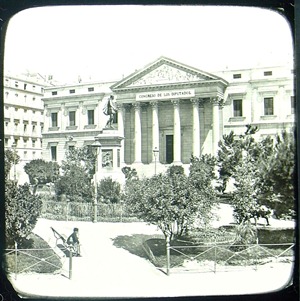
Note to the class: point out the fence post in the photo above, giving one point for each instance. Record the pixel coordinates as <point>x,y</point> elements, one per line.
<point>70,263</point>
<point>168,254</point>
<point>256,253</point>
<point>16,259</point>
<point>215,261</point>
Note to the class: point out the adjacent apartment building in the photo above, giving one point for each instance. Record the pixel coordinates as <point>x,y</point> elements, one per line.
<point>23,119</point>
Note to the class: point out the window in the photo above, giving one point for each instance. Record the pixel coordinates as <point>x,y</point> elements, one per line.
<point>238,75</point>
<point>54,119</point>
<point>91,89</point>
<point>72,120</point>
<point>72,91</point>
<point>71,148</point>
<point>25,128</point>
<point>33,155</point>
<point>16,84</point>
<point>33,128</point>
<point>237,108</point>
<point>268,106</point>
<point>292,104</point>
<point>54,93</point>
<point>33,142</point>
<point>6,141</point>
<point>33,88</point>
<point>91,117</point>
<point>53,153</point>
<point>25,143</point>
<point>267,73</point>
<point>25,86</point>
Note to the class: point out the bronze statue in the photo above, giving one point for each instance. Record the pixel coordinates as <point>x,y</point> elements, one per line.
<point>109,110</point>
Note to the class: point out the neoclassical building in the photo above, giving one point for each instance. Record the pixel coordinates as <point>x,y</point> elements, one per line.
<point>168,111</point>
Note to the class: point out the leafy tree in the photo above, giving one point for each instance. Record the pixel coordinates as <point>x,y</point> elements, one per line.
<point>175,169</point>
<point>278,180</point>
<point>22,210</point>
<point>75,182</point>
<point>130,173</point>
<point>273,161</point>
<point>10,158</point>
<point>232,150</point>
<point>245,197</point>
<point>109,190</point>
<point>172,201</point>
<point>41,172</point>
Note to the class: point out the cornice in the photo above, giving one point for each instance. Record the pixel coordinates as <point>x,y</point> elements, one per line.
<point>74,97</point>
<point>170,86</point>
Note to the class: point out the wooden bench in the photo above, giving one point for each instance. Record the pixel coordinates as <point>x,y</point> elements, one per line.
<point>58,237</point>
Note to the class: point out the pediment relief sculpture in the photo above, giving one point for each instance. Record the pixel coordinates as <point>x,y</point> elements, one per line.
<point>166,74</point>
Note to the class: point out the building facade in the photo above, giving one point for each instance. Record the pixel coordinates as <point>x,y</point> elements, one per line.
<point>23,119</point>
<point>168,111</point>
<point>73,117</point>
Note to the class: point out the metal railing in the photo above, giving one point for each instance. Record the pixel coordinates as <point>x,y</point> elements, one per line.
<point>84,211</point>
<point>24,260</point>
<point>217,257</point>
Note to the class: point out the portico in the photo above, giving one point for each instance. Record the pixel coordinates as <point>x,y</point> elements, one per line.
<point>169,107</point>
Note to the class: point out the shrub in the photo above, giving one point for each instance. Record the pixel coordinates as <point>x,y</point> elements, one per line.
<point>22,210</point>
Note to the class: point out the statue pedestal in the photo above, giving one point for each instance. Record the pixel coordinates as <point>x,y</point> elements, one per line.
<point>109,157</point>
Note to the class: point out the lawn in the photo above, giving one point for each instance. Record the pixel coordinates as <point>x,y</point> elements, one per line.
<point>202,248</point>
<point>38,258</point>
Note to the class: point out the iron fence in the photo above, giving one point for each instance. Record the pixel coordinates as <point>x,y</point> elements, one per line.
<point>79,211</point>
<point>215,257</point>
<point>40,260</point>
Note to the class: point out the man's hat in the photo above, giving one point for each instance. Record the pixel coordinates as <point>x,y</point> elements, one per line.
<point>75,229</point>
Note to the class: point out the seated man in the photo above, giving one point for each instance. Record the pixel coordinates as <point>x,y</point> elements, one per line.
<point>73,241</point>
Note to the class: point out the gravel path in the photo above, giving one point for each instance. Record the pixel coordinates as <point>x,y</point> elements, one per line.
<point>107,271</point>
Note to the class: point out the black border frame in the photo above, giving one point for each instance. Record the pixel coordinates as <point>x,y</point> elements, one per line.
<point>290,9</point>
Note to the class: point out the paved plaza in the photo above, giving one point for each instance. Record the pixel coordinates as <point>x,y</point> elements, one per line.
<point>105,270</point>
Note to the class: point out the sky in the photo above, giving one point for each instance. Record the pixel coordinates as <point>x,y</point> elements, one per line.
<point>108,43</point>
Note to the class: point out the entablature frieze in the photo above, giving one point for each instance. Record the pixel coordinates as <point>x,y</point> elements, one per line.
<point>172,86</point>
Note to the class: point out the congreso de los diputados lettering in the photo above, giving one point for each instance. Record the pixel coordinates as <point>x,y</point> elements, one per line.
<point>165,112</point>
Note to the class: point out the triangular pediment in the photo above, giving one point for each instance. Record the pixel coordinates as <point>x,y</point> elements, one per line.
<point>163,71</point>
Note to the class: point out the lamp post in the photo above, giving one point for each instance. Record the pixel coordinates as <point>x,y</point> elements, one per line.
<point>97,146</point>
<point>155,153</point>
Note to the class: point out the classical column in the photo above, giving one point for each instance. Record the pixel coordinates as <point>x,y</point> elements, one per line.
<point>137,133</point>
<point>120,109</point>
<point>177,133</point>
<point>155,129</point>
<point>196,128</point>
<point>216,124</point>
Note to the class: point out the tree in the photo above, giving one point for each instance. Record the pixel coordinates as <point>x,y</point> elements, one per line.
<point>232,150</point>
<point>41,172</point>
<point>279,176</point>
<point>130,173</point>
<point>272,159</point>
<point>109,190</point>
<point>75,182</point>
<point>172,201</point>
<point>245,196</point>
<point>22,210</point>
<point>10,158</point>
